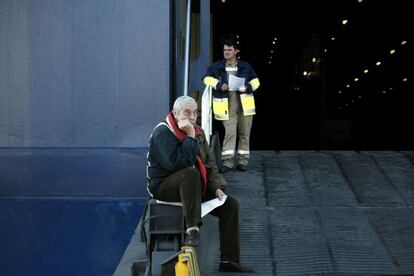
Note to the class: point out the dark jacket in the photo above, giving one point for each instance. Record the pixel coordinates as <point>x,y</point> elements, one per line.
<point>218,70</point>
<point>167,155</point>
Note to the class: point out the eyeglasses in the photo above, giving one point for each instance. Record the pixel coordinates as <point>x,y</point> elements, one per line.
<point>188,113</point>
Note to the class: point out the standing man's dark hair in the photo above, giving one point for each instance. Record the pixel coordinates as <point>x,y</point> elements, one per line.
<point>233,82</point>
<point>231,42</point>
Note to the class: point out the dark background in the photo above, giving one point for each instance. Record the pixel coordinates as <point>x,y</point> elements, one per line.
<point>308,112</point>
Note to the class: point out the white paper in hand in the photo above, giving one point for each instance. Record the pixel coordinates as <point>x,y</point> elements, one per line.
<point>235,83</point>
<point>208,206</point>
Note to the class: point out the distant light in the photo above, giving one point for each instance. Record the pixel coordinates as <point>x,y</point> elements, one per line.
<point>360,1</point>
<point>275,38</point>
<point>236,35</point>
<point>346,104</point>
<point>356,79</point>
<point>270,62</point>
<point>271,57</point>
<point>404,79</point>
<point>378,63</point>
<point>340,107</point>
<point>223,1</point>
<point>392,52</point>
<point>345,21</point>
<point>366,71</point>
<point>305,73</point>
<point>325,50</point>
<point>384,92</point>
<point>403,42</point>
<point>360,97</point>
<point>314,60</point>
<point>237,42</point>
<point>274,42</point>
<point>339,92</point>
<point>333,38</point>
<point>271,51</point>
<point>390,88</point>
<point>353,101</point>
<point>348,85</point>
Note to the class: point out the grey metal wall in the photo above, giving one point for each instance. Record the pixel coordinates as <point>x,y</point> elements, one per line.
<point>83,73</point>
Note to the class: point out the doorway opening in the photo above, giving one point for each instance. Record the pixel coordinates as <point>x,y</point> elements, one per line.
<point>333,75</point>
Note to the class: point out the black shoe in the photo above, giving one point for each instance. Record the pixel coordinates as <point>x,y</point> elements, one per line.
<point>241,167</point>
<point>192,238</point>
<point>225,169</point>
<point>234,267</point>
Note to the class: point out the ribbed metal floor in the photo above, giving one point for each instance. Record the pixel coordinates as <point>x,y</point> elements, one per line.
<point>324,213</point>
<point>321,213</point>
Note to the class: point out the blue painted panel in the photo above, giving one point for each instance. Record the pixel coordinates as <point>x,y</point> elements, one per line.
<point>65,236</point>
<point>83,73</point>
<point>73,172</point>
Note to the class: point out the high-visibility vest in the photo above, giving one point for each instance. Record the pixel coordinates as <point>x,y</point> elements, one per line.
<point>221,109</point>
<point>248,106</point>
<point>221,103</point>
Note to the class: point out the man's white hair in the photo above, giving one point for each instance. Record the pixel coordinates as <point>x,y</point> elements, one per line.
<point>180,101</point>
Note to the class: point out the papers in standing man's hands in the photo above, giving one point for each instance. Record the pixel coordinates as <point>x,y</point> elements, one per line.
<point>235,83</point>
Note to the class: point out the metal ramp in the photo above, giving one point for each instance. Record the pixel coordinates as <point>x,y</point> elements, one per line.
<point>321,213</point>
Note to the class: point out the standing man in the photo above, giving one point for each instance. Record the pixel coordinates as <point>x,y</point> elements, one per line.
<point>182,168</point>
<point>234,106</point>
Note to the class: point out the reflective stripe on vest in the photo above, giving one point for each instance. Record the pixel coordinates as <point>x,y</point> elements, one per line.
<point>231,69</point>
<point>210,81</point>
<point>255,83</point>
<point>221,108</point>
<point>248,105</point>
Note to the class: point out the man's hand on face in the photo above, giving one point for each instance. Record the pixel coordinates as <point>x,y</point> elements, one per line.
<point>224,87</point>
<point>186,127</point>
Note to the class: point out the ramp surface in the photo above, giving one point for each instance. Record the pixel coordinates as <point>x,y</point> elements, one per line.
<point>320,213</point>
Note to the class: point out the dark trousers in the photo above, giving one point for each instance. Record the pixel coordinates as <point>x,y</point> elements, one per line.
<point>185,186</point>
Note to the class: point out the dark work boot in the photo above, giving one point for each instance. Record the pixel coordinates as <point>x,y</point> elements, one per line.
<point>234,267</point>
<point>192,238</point>
<point>241,167</point>
<point>225,169</point>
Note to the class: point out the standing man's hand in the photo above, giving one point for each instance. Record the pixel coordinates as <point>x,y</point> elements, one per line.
<point>186,127</point>
<point>242,89</point>
<point>220,194</point>
<point>224,87</point>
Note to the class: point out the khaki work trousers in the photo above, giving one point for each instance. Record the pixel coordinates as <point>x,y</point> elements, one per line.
<point>185,186</point>
<point>237,123</point>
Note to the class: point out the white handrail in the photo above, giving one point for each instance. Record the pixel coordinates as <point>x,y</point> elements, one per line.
<point>206,112</point>
<point>187,48</point>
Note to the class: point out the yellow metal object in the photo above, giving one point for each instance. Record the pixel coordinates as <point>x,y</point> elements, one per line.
<point>187,264</point>
<point>181,267</point>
